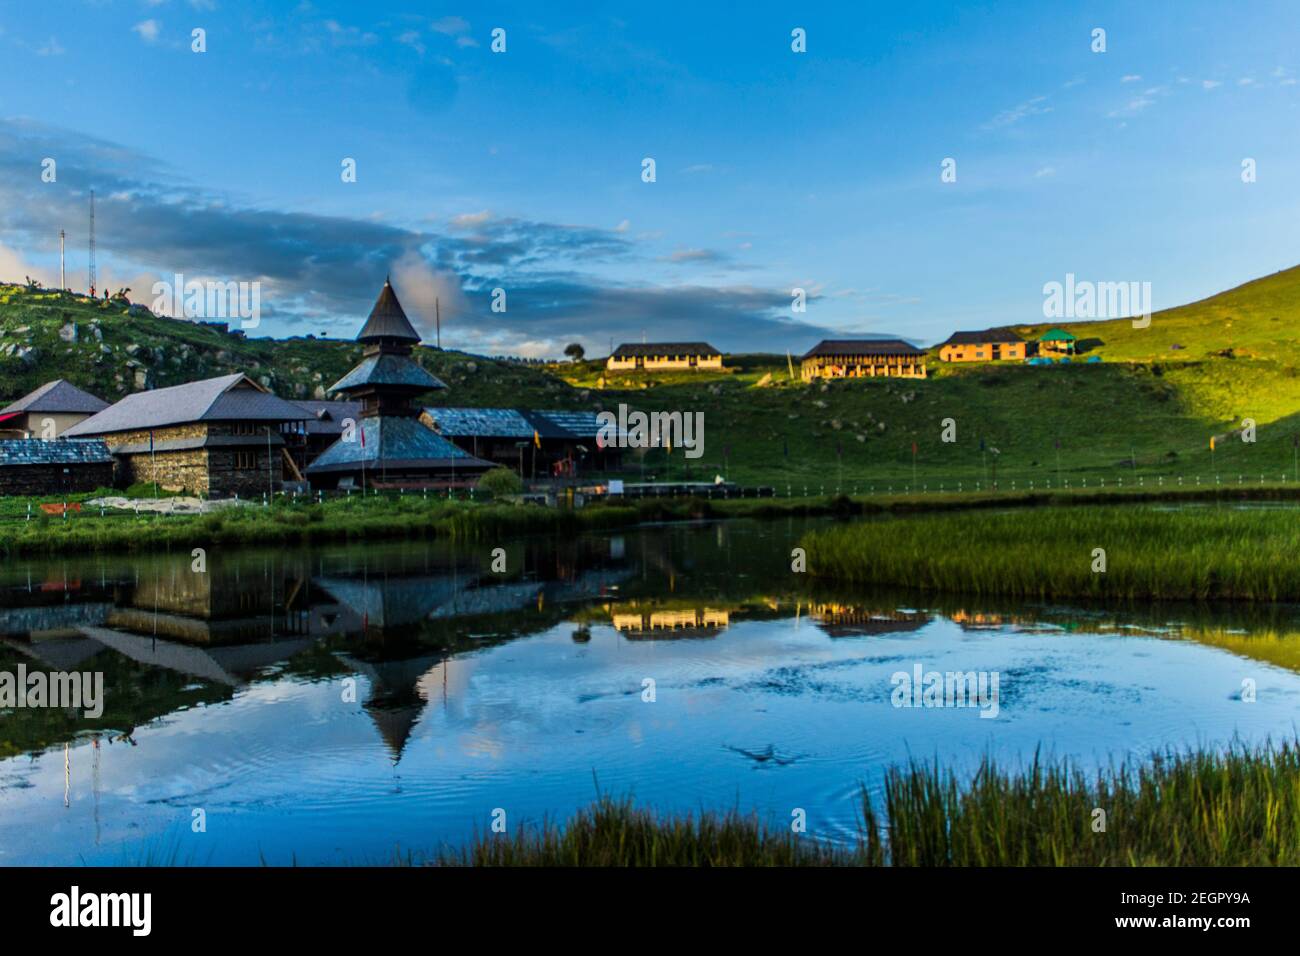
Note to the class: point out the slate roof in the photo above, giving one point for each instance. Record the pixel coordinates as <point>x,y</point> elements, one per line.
<point>562,424</point>
<point>326,418</point>
<point>831,347</point>
<point>388,320</point>
<point>386,369</point>
<point>57,396</point>
<point>649,349</point>
<point>394,442</point>
<point>986,337</point>
<point>513,423</point>
<point>34,451</point>
<point>227,398</point>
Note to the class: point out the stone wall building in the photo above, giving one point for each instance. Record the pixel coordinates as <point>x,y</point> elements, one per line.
<point>30,466</point>
<point>49,411</point>
<point>214,438</point>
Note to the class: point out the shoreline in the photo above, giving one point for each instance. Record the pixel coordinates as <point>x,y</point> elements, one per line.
<point>392,518</point>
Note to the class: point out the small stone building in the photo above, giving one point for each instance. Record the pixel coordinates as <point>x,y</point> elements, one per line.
<point>30,466</point>
<point>664,356</point>
<point>214,438</point>
<point>862,358</point>
<point>49,411</point>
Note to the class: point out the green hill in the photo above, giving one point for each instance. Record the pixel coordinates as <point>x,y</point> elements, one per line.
<point>1145,412</point>
<point>111,349</point>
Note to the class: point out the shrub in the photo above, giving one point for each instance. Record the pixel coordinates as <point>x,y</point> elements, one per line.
<point>500,483</point>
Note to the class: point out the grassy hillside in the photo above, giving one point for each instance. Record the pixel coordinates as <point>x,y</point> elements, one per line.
<point>111,350</point>
<point>1145,413</point>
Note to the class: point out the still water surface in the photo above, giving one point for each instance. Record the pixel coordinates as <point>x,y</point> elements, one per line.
<point>228,691</point>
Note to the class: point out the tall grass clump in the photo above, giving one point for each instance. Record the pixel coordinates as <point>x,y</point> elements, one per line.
<point>1199,808</point>
<point>1056,553</point>
<point>615,833</point>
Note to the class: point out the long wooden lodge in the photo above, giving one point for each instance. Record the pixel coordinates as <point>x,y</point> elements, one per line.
<point>862,358</point>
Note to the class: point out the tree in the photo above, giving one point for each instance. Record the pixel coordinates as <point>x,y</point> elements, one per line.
<point>575,351</point>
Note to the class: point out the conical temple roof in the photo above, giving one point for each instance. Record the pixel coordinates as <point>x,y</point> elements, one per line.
<point>388,320</point>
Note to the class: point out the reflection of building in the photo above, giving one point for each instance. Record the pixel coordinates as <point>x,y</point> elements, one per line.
<point>851,620</point>
<point>49,411</point>
<point>667,624</point>
<point>977,619</point>
<point>862,358</point>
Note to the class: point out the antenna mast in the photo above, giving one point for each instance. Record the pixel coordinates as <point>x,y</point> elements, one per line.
<point>63,282</point>
<point>437,311</point>
<point>92,243</point>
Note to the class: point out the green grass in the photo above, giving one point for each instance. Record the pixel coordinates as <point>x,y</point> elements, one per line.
<point>1199,808</point>
<point>1197,554</point>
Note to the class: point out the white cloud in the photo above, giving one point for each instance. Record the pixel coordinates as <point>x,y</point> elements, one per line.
<point>411,38</point>
<point>51,48</point>
<point>1045,172</point>
<point>450,25</point>
<point>148,30</point>
<point>1130,78</point>
<point>1210,84</point>
<point>623,226</point>
<point>1030,107</point>
<point>471,220</point>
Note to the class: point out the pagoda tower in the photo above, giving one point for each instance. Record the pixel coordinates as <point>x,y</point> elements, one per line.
<point>390,445</point>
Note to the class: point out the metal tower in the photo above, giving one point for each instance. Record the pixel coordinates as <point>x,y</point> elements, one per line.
<point>92,242</point>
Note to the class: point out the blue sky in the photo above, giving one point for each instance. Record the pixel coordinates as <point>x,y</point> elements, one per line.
<point>522,170</point>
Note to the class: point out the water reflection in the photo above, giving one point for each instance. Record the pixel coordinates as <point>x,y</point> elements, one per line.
<point>229,688</point>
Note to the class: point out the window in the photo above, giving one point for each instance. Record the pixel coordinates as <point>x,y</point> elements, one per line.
<point>245,460</point>
<point>245,428</point>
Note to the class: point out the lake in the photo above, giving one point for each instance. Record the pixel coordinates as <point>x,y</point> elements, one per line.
<point>347,704</point>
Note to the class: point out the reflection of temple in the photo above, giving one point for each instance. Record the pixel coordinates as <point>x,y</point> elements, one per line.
<point>851,620</point>
<point>651,625</point>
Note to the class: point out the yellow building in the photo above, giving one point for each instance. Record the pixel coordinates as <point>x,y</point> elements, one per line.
<point>863,358</point>
<point>664,356</point>
<point>991,345</point>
